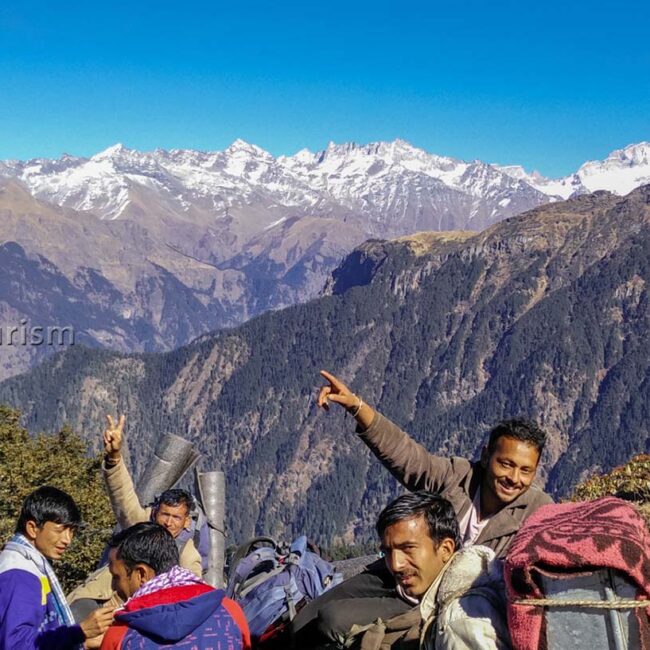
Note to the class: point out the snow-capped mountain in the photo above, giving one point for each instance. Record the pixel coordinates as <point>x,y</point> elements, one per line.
<point>400,188</point>
<point>389,188</point>
<point>621,172</point>
<point>217,181</point>
<point>147,250</point>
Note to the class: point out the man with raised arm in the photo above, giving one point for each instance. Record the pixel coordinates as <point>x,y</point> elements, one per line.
<point>172,510</point>
<point>491,497</point>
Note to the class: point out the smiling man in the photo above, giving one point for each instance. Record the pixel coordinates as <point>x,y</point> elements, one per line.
<point>491,497</point>
<point>33,611</point>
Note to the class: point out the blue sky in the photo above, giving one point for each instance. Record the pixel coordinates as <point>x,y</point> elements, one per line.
<point>547,85</point>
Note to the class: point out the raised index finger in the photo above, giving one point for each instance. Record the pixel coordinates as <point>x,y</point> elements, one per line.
<point>335,381</point>
<point>111,422</point>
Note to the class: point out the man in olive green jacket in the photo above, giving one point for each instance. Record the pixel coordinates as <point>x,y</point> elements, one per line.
<point>171,510</point>
<point>491,498</point>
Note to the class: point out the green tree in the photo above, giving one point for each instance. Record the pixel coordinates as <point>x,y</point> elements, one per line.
<point>60,460</point>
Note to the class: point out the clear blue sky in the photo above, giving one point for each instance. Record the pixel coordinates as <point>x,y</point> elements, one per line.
<point>544,84</point>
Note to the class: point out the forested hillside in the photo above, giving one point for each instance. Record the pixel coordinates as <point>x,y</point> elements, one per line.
<point>544,315</point>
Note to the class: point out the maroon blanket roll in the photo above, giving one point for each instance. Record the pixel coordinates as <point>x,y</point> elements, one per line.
<point>607,533</point>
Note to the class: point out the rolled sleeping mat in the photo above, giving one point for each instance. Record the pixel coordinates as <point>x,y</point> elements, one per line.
<point>212,490</point>
<point>173,457</point>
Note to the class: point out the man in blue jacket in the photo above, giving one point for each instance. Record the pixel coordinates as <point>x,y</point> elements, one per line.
<point>34,614</point>
<point>167,605</point>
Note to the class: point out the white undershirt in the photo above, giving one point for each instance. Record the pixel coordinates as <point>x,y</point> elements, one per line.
<point>471,525</point>
<point>412,600</point>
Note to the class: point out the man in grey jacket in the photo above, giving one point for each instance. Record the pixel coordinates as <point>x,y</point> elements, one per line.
<point>491,498</point>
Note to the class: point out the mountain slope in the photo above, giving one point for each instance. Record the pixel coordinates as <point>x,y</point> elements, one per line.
<point>178,243</point>
<point>121,285</point>
<point>544,315</point>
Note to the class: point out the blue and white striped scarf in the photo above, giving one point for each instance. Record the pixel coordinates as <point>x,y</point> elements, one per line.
<point>19,544</point>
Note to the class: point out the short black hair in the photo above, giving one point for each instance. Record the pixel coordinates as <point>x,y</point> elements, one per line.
<point>174,497</point>
<point>146,543</point>
<point>437,511</point>
<point>48,504</point>
<point>527,431</point>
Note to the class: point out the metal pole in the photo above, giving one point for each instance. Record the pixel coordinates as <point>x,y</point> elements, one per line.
<point>212,488</point>
<point>614,615</point>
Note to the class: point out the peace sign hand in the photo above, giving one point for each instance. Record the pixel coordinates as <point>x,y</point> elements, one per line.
<point>113,437</point>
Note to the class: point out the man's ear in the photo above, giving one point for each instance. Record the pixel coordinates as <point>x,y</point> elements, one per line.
<point>446,549</point>
<point>143,573</point>
<point>31,529</point>
<point>485,457</point>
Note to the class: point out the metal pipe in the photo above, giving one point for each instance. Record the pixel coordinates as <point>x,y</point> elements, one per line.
<point>212,490</point>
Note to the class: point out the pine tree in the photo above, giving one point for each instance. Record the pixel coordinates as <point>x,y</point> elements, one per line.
<point>60,460</point>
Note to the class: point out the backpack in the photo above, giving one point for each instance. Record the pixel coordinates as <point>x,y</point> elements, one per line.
<point>272,583</point>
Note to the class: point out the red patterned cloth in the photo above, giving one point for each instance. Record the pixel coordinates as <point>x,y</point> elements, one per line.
<point>580,538</point>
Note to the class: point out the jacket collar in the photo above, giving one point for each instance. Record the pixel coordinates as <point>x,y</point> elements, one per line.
<point>509,519</point>
<point>465,569</point>
<point>428,604</point>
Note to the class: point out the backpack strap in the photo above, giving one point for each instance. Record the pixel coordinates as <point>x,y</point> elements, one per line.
<point>258,579</point>
<point>244,549</point>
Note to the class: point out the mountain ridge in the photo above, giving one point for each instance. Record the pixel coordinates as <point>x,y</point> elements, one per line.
<point>543,315</point>
<point>182,242</point>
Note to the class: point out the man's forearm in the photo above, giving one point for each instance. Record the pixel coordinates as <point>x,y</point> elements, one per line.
<point>121,492</point>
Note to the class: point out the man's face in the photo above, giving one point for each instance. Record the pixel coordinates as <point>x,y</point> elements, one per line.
<point>412,556</point>
<point>173,518</point>
<point>51,539</point>
<point>124,582</point>
<point>509,469</point>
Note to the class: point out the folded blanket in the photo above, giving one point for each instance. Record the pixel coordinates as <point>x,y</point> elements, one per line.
<point>607,533</point>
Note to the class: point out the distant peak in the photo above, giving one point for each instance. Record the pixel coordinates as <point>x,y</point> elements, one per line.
<point>242,146</point>
<point>303,156</point>
<point>390,148</point>
<point>345,147</point>
<point>638,153</point>
<point>634,155</point>
<point>111,152</point>
<point>398,143</point>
